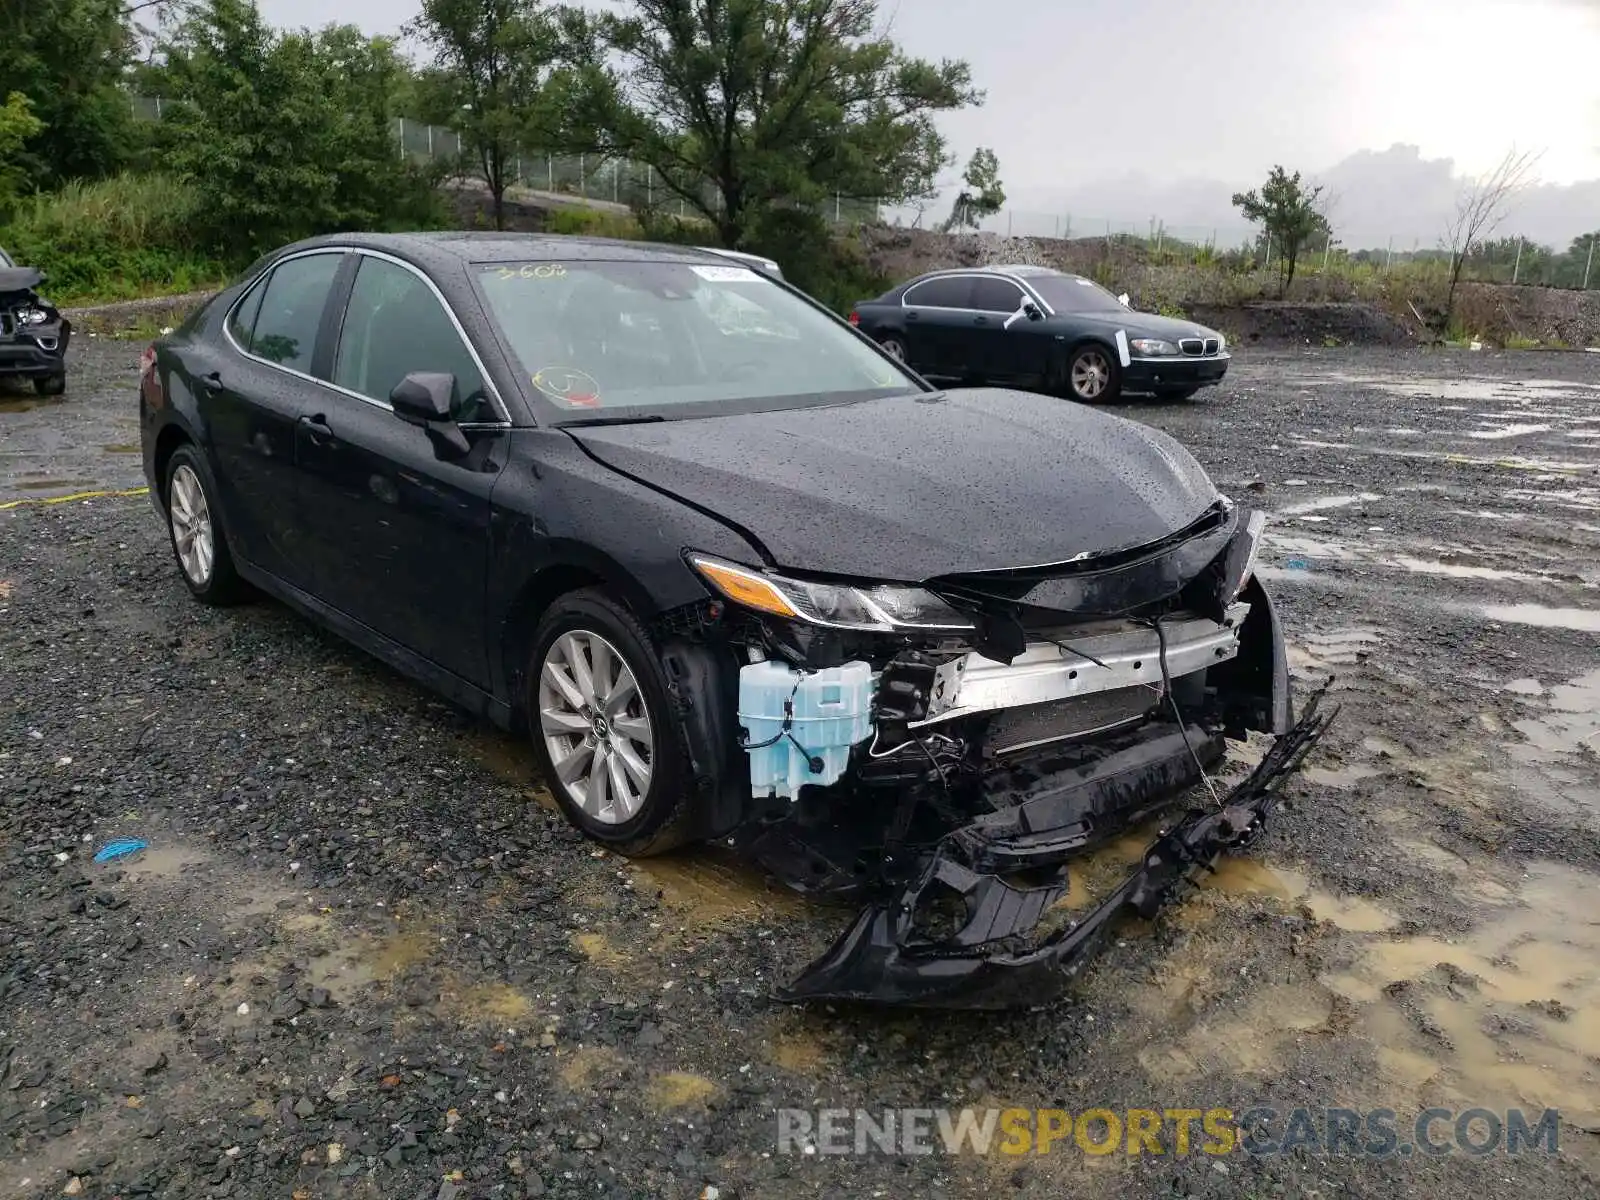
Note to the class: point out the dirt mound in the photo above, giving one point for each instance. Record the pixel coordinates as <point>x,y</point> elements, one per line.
<point>1284,322</point>
<point>1550,316</point>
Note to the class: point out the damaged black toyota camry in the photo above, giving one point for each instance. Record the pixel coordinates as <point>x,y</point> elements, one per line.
<point>740,575</point>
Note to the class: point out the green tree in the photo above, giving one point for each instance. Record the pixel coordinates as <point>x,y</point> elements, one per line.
<point>68,57</point>
<point>284,134</point>
<point>983,196</point>
<point>745,106</point>
<point>1288,211</point>
<point>17,126</point>
<point>491,61</point>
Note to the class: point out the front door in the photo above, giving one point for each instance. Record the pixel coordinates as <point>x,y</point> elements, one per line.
<point>401,526</point>
<point>1005,351</point>
<point>252,394</point>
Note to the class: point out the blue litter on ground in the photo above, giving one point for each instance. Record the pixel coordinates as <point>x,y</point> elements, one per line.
<point>1298,564</point>
<point>119,848</point>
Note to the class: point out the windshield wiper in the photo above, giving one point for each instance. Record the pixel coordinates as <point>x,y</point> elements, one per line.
<point>581,422</point>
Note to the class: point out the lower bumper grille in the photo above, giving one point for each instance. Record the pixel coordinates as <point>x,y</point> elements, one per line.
<point>1061,720</point>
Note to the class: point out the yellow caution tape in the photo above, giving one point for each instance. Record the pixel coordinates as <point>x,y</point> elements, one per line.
<point>138,491</point>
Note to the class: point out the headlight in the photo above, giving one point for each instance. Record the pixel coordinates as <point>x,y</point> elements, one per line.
<point>1253,526</point>
<point>882,607</point>
<point>1222,343</point>
<point>1153,347</point>
<point>32,316</point>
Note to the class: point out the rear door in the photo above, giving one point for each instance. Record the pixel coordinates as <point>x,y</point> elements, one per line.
<point>400,529</point>
<point>253,390</point>
<point>938,315</point>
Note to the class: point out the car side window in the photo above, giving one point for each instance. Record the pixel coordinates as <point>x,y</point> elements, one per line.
<point>291,310</point>
<point>996,295</point>
<point>953,292</point>
<point>394,325</point>
<point>242,321</point>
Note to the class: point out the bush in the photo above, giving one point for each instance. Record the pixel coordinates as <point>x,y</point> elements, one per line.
<point>591,222</point>
<point>830,268</point>
<point>119,238</point>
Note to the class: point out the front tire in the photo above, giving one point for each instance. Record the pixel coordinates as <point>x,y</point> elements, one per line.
<point>1093,375</point>
<point>603,727</point>
<point>198,544</point>
<point>51,385</point>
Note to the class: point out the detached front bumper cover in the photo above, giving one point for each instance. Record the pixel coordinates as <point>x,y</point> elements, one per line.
<point>988,962</point>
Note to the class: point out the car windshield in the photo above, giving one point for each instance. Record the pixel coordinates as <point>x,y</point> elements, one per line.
<point>1070,294</point>
<point>670,339</point>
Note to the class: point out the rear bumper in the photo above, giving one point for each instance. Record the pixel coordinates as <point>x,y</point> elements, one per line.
<point>1175,372</point>
<point>39,352</point>
<point>995,959</point>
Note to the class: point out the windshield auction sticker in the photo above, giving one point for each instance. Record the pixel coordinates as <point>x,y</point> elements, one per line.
<point>726,274</point>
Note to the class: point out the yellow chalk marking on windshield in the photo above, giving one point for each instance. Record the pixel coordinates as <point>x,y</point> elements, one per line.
<point>533,271</point>
<point>139,491</point>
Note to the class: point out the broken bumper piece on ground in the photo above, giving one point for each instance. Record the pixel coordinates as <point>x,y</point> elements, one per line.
<point>991,960</point>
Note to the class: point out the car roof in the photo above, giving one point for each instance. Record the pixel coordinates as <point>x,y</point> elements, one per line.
<point>1013,270</point>
<point>451,247</point>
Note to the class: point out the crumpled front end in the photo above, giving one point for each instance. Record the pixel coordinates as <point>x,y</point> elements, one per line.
<point>33,333</point>
<point>943,753</point>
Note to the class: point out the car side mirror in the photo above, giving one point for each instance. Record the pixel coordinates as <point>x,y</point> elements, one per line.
<point>1125,300</point>
<point>426,398</point>
<point>1029,310</point>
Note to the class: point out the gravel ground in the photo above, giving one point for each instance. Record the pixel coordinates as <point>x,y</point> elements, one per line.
<point>363,957</point>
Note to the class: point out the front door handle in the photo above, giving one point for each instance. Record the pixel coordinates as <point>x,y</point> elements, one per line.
<point>317,429</point>
<point>980,320</point>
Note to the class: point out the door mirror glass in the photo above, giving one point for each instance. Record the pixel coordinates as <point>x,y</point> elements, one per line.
<point>423,397</point>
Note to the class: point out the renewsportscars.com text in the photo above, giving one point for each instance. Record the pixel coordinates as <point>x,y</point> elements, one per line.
<point>1262,1131</point>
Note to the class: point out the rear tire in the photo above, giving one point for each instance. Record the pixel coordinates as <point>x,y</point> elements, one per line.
<point>895,348</point>
<point>51,385</point>
<point>604,730</point>
<point>194,527</point>
<point>1093,375</point>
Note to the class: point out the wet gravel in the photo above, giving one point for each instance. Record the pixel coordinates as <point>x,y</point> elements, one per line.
<point>361,956</point>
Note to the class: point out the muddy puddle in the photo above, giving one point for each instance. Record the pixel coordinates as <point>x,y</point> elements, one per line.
<point>1508,1014</point>
<point>1583,620</point>
<point>1326,503</point>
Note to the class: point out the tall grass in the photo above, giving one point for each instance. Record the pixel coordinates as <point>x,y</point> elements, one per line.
<point>115,239</point>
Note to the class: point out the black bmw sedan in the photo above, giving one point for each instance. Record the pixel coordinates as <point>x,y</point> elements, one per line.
<point>737,573</point>
<point>1039,328</point>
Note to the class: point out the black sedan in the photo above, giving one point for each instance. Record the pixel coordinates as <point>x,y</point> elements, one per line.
<point>737,573</point>
<point>33,333</point>
<point>1034,327</point>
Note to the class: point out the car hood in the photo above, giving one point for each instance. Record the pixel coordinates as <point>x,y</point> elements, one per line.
<point>20,279</point>
<point>913,487</point>
<point>1139,324</point>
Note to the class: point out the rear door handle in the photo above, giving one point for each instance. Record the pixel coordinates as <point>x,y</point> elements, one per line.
<point>212,383</point>
<point>911,316</point>
<point>980,320</point>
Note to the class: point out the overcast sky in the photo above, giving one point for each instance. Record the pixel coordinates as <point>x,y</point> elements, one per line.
<point>1082,91</point>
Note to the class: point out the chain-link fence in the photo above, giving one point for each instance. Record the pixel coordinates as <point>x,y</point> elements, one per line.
<point>1506,260</point>
<point>600,181</point>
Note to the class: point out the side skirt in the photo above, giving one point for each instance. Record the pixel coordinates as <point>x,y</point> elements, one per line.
<point>425,671</point>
